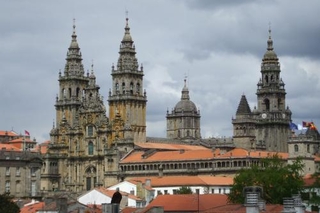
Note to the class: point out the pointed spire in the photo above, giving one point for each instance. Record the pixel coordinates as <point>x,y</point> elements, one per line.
<point>243,107</point>
<point>185,91</point>
<point>270,42</point>
<point>74,65</point>
<point>127,36</point>
<point>74,44</point>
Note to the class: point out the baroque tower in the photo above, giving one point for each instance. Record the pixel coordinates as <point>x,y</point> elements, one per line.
<point>127,98</point>
<point>272,117</point>
<point>183,122</point>
<point>75,161</point>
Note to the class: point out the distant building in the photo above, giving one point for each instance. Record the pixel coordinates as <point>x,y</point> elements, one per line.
<point>20,172</point>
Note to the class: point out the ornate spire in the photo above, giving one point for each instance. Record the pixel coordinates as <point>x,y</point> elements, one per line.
<point>74,65</point>
<point>185,91</point>
<point>270,42</point>
<point>127,60</point>
<point>270,55</point>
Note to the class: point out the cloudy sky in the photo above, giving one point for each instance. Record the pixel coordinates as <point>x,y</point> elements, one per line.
<point>217,44</point>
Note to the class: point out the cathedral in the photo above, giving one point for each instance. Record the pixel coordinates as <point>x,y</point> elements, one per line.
<point>89,149</point>
<point>86,145</point>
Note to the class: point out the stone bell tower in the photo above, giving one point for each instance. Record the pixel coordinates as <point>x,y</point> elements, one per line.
<point>127,98</point>
<point>272,115</point>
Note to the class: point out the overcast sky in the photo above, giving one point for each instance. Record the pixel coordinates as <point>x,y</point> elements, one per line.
<point>217,44</point>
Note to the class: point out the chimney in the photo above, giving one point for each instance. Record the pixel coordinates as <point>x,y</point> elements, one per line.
<point>251,202</point>
<point>297,203</point>
<point>288,205</point>
<point>148,182</point>
<point>62,205</point>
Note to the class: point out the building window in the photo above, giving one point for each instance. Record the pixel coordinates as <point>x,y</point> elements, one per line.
<point>308,148</point>
<point>296,148</point>
<point>90,131</point>
<point>123,88</point>
<point>18,171</point>
<point>90,148</point>
<point>165,192</point>
<point>7,171</point>
<point>7,186</point>
<point>198,191</point>
<point>33,171</point>
<point>18,187</point>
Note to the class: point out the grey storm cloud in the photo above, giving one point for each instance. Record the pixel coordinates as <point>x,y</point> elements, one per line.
<point>216,45</point>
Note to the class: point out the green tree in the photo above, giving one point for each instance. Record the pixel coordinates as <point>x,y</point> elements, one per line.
<point>7,205</point>
<point>311,192</point>
<point>184,190</point>
<point>277,179</point>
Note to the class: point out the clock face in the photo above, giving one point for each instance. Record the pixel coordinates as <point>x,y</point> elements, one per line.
<point>264,115</point>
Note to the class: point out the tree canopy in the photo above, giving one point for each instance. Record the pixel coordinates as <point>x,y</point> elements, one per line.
<point>7,205</point>
<point>277,179</point>
<point>184,190</point>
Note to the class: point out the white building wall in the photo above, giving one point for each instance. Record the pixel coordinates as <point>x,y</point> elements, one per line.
<point>94,197</point>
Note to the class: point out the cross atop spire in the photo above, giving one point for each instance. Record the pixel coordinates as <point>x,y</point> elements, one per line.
<point>270,42</point>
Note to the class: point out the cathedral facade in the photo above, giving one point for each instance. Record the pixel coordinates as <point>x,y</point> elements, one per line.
<point>85,144</point>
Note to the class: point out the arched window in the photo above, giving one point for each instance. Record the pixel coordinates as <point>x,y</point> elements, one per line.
<point>117,88</point>
<point>78,92</point>
<point>123,88</point>
<point>90,131</point>
<point>69,93</point>
<point>131,88</point>
<point>296,148</point>
<point>267,103</point>
<point>138,88</point>
<point>90,148</point>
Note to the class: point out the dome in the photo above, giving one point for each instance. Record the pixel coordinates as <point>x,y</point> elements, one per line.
<point>185,106</point>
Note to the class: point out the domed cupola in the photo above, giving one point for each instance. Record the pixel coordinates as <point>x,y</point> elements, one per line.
<point>185,105</point>
<point>184,120</point>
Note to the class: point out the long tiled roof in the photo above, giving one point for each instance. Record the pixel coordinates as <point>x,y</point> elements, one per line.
<point>202,180</point>
<point>184,155</point>
<point>164,146</point>
<point>188,202</point>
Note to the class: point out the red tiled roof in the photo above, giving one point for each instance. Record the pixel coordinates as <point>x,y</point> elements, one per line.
<point>8,147</point>
<point>32,208</point>
<point>188,202</point>
<point>201,180</point>
<point>182,155</point>
<point>137,156</point>
<point>9,133</point>
<point>170,146</point>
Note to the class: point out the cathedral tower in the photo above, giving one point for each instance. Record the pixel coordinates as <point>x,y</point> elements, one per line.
<point>75,159</point>
<point>184,121</point>
<point>272,117</point>
<point>244,126</point>
<point>127,98</point>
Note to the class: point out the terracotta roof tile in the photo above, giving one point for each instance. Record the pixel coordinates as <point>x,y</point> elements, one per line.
<point>170,146</point>
<point>185,180</point>
<point>8,147</point>
<point>183,155</point>
<point>8,133</point>
<point>32,208</point>
<point>188,202</point>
